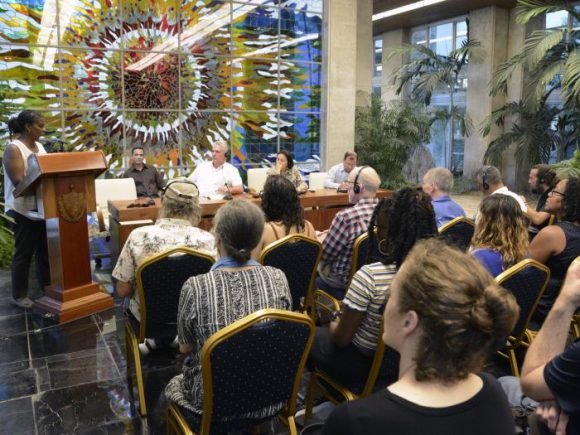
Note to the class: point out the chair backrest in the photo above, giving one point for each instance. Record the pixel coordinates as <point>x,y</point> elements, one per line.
<point>316,180</point>
<point>298,257</point>
<point>257,178</point>
<point>254,363</point>
<point>527,281</point>
<point>458,232</point>
<point>159,282</point>
<point>360,251</point>
<point>111,189</point>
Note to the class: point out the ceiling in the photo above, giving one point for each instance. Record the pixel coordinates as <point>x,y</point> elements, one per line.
<point>429,14</point>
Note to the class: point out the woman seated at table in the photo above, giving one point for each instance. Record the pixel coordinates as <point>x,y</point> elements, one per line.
<point>444,316</point>
<point>501,234</point>
<point>284,213</point>
<point>235,287</point>
<point>558,245</point>
<point>285,166</point>
<point>345,350</point>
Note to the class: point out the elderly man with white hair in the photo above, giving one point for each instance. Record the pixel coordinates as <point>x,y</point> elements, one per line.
<point>217,178</point>
<point>437,183</point>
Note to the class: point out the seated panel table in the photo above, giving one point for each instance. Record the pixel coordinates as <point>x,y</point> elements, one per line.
<point>320,207</point>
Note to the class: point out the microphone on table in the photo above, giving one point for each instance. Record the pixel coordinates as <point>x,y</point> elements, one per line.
<point>228,196</point>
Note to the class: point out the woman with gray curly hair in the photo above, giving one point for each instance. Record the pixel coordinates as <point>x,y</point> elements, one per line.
<point>444,316</point>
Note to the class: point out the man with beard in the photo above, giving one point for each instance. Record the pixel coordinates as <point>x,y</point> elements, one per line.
<point>541,180</point>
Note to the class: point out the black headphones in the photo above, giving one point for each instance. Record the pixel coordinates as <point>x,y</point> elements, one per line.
<point>181,180</point>
<point>355,186</point>
<point>483,178</point>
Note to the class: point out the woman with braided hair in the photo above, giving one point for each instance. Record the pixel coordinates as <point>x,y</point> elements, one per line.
<point>558,245</point>
<point>345,350</point>
<point>444,316</point>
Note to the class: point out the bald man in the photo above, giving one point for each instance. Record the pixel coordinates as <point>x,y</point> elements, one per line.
<point>363,184</point>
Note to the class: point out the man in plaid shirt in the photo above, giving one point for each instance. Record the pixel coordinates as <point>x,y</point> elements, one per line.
<point>347,225</point>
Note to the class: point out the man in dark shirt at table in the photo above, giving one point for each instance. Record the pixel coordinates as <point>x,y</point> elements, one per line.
<point>147,180</point>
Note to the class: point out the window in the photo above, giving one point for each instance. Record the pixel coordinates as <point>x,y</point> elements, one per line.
<point>377,64</point>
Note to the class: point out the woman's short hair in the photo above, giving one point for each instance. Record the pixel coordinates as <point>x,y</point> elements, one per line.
<point>180,200</point>
<point>280,202</point>
<point>238,226</point>
<point>503,227</point>
<point>18,123</point>
<point>571,200</point>
<point>409,217</point>
<point>288,158</point>
<point>463,314</point>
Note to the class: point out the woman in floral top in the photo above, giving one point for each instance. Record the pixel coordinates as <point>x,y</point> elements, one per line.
<point>285,166</point>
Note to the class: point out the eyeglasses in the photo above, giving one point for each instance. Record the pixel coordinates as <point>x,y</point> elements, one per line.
<point>555,192</point>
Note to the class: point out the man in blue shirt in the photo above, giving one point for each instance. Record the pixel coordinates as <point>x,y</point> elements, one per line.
<point>437,183</point>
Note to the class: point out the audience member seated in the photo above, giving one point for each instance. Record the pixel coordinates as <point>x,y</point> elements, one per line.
<point>148,181</point>
<point>443,316</point>
<point>541,181</point>
<point>347,225</point>
<point>437,183</point>
<point>558,245</point>
<point>338,174</point>
<point>551,372</point>
<point>285,166</point>
<point>218,178</point>
<point>179,213</point>
<point>235,287</point>
<point>284,213</point>
<point>501,234</point>
<point>489,182</point>
<point>345,350</point>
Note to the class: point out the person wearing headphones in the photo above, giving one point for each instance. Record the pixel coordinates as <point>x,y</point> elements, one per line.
<point>541,180</point>
<point>347,225</point>
<point>217,178</point>
<point>489,182</point>
<point>179,214</point>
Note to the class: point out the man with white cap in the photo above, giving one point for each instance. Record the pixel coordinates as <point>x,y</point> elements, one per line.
<point>179,214</point>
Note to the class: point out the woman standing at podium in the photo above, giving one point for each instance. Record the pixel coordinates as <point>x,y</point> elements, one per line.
<point>29,234</point>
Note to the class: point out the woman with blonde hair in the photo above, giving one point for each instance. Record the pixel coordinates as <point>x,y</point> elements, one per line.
<point>501,234</point>
<point>444,316</point>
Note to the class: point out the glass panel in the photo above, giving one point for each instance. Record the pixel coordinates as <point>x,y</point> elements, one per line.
<point>29,78</point>
<point>93,78</point>
<point>255,137</point>
<point>255,85</point>
<point>255,32</point>
<point>556,19</point>
<point>300,36</point>
<point>441,38</point>
<point>28,23</point>
<point>419,37</point>
<point>300,88</point>
<point>91,24</point>
<point>205,83</point>
<point>164,155</point>
<point>300,134</point>
<point>205,29</point>
<point>304,5</point>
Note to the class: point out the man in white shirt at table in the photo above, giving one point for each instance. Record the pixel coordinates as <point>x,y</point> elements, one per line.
<point>338,174</point>
<point>218,178</point>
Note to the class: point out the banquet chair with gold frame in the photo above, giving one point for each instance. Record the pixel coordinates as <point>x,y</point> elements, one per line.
<point>527,281</point>
<point>458,232</point>
<point>254,363</point>
<point>159,281</point>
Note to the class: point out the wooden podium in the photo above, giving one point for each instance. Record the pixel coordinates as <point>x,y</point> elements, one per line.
<point>65,192</point>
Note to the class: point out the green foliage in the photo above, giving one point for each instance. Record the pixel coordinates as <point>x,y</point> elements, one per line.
<point>568,168</point>
<point>387,134</point>
<point>6,241</point>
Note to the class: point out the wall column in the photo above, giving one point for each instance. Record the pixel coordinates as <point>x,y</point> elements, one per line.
<point>391,40</point>
<point>348,69</point>
<point>490,26</point>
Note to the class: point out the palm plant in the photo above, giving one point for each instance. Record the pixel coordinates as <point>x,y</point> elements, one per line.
<point>387,134</point>
<point>427,72</point>
<point>551,63</point>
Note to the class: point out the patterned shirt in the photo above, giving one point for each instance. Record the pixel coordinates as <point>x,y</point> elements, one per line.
<point>145,242</point>
<point>293,175</point>
<point>346,226</point>
<point>211,302</point>
<point>369,292</point>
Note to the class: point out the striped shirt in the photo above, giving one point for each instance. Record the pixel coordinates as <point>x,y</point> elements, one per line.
<point>346,226</point>
<point>212,301</point>
<point>368,293</point>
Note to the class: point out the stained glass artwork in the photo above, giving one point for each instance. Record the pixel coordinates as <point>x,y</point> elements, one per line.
<point>172,76</point>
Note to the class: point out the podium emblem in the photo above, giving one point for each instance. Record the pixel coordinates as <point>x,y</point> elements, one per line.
<point>72,205</point>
